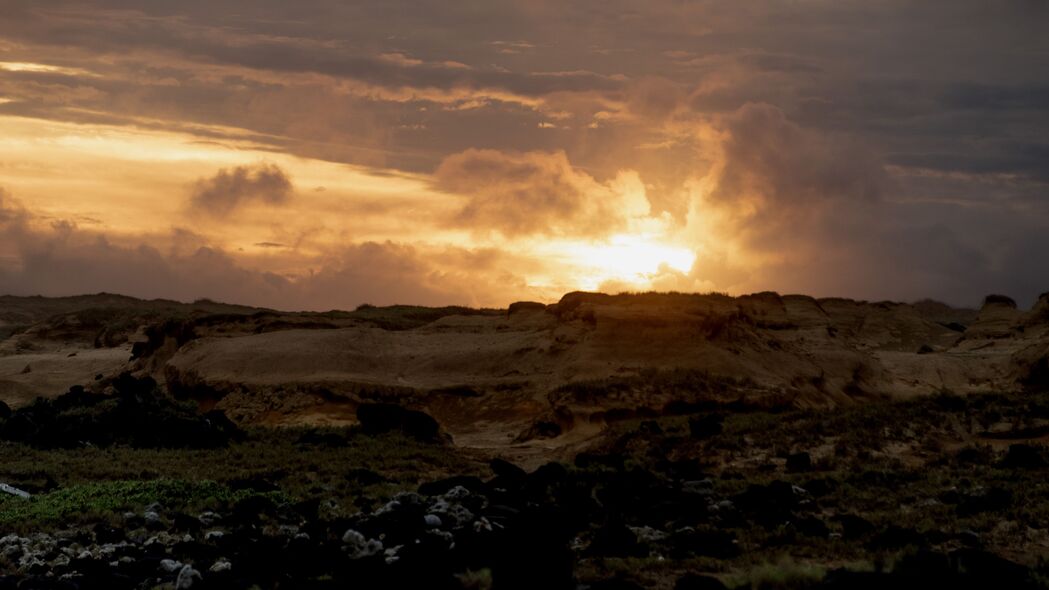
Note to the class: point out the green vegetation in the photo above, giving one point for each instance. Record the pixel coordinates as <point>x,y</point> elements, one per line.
<point>337,467</point>
<point>92,501</point>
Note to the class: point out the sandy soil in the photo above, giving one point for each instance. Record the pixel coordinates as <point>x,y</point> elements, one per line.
<point>52,373</point>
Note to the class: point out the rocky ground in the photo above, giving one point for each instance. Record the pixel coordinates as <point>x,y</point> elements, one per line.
<point>904,493</point>
<point>656,441</point>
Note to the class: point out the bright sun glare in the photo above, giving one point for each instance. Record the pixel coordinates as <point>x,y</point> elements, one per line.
<point>628,258</point>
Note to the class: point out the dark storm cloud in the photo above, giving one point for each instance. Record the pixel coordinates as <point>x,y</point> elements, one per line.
<point>898,69</point>
<point>176,36</point>
<point>767,155</point>
<point>996,97</point>
<point>830,218</point>
<point>230,188</point>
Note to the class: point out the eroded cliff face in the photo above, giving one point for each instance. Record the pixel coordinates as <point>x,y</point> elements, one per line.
<point>558,373</point>
<point>536,374</point>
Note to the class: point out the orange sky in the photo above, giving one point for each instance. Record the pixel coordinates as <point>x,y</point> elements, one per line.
<point>319,156</point>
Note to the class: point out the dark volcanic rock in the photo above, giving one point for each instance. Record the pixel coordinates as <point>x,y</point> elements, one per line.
<point>810,526</point>
<point>854,527</point>
<point>988,570</point>
<point>425,541</point>
<point>799,462</point>
<point>507,470</point>
<point>699,582</point>
<point>705,426</point>
<point>138,414</point>
<point>989,500</point>
<point>443,486</point>
<point>616,540</point>
<point>1022,456</point>
<point>771,504</point>
<point>703,542</point>
<point>364,477</point>
<point>381,418</point>
<point>896,537</point>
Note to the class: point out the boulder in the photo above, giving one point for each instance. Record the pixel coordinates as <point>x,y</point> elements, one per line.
<point>507,470</point>
<point>187,578</point>
<point>525,306</point>
<point>382,418</point>
<point>799,462</point>
<point>705,426</point>
<point>1023,456</point>
<point>616,540</point>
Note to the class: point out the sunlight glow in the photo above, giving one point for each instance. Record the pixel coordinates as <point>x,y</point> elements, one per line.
<point>627,258</point>
<point>18,66</point>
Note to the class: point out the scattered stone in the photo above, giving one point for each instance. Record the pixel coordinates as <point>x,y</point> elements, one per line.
<point>357,546</point>
<point>703,487</point>
<point>7,489</point>
<point>170,566</point>
<point>187,578</point>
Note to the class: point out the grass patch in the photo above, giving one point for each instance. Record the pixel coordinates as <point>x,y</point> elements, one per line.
<point>336,466</point>
<point>86,502</point>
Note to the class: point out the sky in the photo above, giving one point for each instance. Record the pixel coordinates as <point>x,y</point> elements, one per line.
<point>321,154</point>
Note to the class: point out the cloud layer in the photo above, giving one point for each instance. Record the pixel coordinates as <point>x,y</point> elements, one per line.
<point>888,150</point>
<point>228,189</point>
<point>533,193</point>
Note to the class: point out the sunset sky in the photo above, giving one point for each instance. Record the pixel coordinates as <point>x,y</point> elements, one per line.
<point>320,154</point>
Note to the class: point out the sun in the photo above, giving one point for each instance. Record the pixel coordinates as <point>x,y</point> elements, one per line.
<point>630,259</point>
